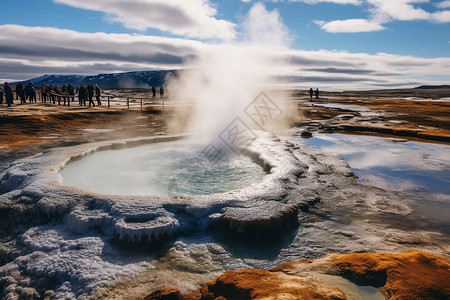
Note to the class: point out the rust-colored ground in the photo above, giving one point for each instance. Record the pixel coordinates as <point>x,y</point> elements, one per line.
<point>404,276</point>
<point>410,275</point>
<point>421,120</point>
<point>29,128</point>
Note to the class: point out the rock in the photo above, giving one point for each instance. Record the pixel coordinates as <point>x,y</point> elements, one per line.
<point>260,284</point>
<point>166,293</point>
<point>306,134</point>
<point>408,275</point>
<point>261,217</point>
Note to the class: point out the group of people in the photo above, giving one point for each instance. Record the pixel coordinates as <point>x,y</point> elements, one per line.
<point>51,93</point>
<point>315,93</point>
<point>161,92</point>
<point>87,93</point>
<point>67,92</point>
<point>8,92</point>
<point>26,92</point>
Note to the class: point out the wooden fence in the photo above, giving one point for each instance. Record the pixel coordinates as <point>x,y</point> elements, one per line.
<point>112,101</point>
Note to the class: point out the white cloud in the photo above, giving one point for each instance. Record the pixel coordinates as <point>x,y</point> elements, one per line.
<point>443,4</point>
<point>442,16</point>
<point>265,27</point>
<point>384,11</point>
<point>27,52</point>
<point>353,2</point>
<point>350,25</point>
<point>41,44</point>
<point>191,18</point>
<point>402,10</point>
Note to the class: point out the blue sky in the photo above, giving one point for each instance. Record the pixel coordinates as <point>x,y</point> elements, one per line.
<point>407,40</point>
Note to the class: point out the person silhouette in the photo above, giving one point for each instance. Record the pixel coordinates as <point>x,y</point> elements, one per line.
<point>9,96</point>
<point>82,95</point>
<point>90,91</point>
<point>317,93</point>
<point>98,93</point>
<point>20,91</point>
<point>311,93</point>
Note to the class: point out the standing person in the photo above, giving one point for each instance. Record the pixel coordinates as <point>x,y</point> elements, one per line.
<point>1,95</point>
<point>98,92</point>
<point>50,94</point>
<point>43,93</point>
<point>9,96</point>
<point>90,89</point>
<point>311,93</point>
<point>153,92</point>
<point>317,93</point>
<point>31,92</point>
<point>161,92</point>
<point>20,90</point>
<point>82,92</point>
<point>57,94</point>
<point>64,92</point>
<point>71,92</point>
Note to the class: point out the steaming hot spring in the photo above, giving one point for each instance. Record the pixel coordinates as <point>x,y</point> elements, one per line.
<point>161,169</point>
<point>107,211</point>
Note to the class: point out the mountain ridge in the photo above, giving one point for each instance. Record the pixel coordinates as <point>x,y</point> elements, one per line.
<point>135,79</point>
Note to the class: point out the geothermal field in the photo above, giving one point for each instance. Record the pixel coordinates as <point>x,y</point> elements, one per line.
<point>280,196</point>
<point>225,150</point>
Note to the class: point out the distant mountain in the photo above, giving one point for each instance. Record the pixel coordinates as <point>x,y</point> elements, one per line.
<point>137,79</point>
<point>429,87</point>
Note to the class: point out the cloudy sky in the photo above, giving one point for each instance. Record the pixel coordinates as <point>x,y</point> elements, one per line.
<point>331,44</point>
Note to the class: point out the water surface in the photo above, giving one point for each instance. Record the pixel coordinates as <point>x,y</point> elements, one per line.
<point>419,169</point>
<point>159,169</point>
<point>392,164</point>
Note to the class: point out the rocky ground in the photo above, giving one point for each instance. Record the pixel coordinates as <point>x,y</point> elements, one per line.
<point>396,275</point>
<point>401,115</point>
<point>348,218</point>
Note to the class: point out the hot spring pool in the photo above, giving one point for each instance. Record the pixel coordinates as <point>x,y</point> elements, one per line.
<point>159,169</point>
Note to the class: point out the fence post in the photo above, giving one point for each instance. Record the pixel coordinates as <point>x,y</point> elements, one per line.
<point>128,103</point>
<point>109,105</point>
<point>68,101</point>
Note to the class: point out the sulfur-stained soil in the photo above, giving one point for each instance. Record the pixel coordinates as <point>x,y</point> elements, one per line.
<point>29,128</point>
<point>404,115</point>
<point>403,276</point>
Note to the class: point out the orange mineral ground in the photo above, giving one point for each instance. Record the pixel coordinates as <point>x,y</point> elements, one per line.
<point>408,275</point>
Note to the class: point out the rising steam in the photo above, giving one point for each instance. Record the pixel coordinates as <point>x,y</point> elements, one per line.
<point>225,78</point>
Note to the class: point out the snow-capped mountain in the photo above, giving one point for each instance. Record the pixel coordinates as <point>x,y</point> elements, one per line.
<point>136,79</point>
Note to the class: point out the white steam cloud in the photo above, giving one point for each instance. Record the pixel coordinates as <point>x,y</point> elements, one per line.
<point>226,78</point>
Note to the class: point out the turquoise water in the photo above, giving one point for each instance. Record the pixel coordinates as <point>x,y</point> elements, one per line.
<point>159,169</point>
